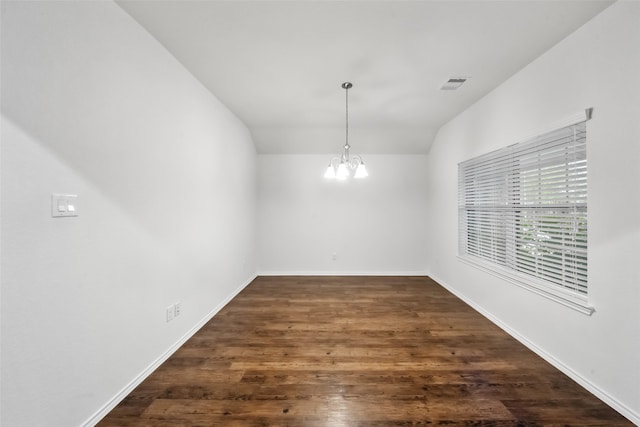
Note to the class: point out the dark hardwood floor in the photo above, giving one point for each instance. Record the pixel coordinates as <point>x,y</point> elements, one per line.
<point>356,351</point>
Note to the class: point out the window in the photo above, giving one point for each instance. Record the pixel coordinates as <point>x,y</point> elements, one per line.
<point>523,213</point>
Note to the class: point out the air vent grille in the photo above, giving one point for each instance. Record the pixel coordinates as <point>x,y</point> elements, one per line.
<point>454,83</point>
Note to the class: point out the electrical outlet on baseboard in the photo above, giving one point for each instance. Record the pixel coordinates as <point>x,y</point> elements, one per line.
<point>177,308</point>
<point>171,312</point>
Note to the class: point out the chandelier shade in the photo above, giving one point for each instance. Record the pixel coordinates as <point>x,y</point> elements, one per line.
<point>344,166</point>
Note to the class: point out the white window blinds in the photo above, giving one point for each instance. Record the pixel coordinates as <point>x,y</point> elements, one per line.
<point>524,208</point>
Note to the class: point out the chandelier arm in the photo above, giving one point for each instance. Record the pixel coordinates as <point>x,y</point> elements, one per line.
<point>355,161</point>
<point>335,161</point>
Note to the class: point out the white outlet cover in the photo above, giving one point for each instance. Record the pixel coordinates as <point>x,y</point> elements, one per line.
<point>170,313</point>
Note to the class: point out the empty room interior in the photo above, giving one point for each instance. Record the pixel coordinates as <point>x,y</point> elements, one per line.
<point>320,213</point>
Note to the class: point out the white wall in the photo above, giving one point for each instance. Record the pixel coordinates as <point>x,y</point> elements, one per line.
<point>92,105</point>
<point>374,226</point>
<point>594,67</point>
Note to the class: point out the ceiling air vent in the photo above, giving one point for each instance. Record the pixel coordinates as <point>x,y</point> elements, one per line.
<point>454,83</point>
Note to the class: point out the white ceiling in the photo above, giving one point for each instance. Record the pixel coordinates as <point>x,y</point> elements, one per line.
<point>278,65</point>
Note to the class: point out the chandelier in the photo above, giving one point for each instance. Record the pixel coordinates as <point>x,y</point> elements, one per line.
<point>342,167</point>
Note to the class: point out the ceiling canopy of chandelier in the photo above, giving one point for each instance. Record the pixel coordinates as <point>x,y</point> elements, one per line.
<point>342,167</point>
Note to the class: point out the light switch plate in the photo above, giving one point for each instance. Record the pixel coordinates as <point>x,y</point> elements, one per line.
<point>63,205</point>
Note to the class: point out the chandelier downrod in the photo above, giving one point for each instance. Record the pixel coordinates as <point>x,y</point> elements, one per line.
<point>346,86</point>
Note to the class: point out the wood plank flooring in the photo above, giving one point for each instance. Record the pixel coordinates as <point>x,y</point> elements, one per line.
<point>355,351</point>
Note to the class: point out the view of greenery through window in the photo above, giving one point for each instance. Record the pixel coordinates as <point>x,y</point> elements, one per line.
<point>553,240</point>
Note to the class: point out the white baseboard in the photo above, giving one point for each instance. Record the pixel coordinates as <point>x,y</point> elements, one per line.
<point>343,273</point>
<point>567,370</point>
<point>113,402</point>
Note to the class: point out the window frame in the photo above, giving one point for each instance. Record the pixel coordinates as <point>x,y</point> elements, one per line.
<point>491,234</point>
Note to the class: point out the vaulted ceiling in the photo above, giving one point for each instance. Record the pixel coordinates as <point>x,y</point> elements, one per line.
<point>279,65</point>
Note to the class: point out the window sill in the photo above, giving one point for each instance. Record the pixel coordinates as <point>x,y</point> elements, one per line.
<point>574,302</point>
